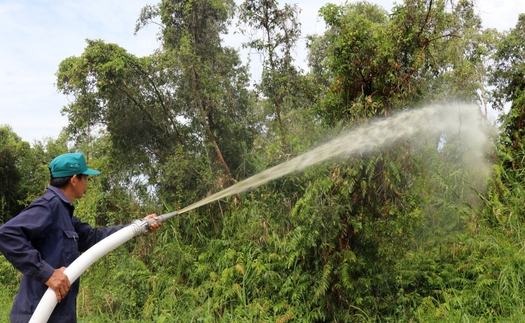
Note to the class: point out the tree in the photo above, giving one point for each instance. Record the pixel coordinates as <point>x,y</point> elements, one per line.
<point>425,51</point>
<point>211,81</point>
<point>24,172</point>
<point>509,85</point>
<point>125,95</point>
<point>279,31</point>
<point>457,65</point>
<point>360,58</point>
<point>12,149</point>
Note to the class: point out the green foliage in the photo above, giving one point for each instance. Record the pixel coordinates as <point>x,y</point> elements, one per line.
<point>358,58</point>
<point>23,170</point>
<point>11,151</point>
<point>210,83</point>
<point>407,233</point>
<point>9,280</point>
<point>508,79</point>
<point>114,89</point>
<point>281,85</point>
<point>424,51</point>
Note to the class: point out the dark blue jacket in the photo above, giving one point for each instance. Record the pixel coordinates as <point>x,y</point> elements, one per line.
<point>42,238</point>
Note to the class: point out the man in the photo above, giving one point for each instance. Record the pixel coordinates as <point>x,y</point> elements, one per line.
<point>45,238</point>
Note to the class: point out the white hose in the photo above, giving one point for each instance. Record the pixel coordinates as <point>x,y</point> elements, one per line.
<point>49,301</point>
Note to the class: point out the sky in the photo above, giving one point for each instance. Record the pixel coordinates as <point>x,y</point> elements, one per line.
<point>36,35</point>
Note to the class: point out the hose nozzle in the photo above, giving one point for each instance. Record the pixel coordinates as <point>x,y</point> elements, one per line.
<point>144,225</point>
<point>141,226</point>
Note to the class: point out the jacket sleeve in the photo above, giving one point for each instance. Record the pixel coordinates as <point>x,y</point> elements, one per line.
<point>89,236</point>
<point>15,245</point>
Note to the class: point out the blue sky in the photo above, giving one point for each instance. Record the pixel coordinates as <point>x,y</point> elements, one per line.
<point>36,35</point>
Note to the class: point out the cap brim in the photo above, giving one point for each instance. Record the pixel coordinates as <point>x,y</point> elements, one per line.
<point>90,171</point>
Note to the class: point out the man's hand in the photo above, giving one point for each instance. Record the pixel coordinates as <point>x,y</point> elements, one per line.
<point>59,283</point>
<point>155,225</point>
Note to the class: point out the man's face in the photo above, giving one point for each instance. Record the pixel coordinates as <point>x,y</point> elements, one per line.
<point>80,185</point>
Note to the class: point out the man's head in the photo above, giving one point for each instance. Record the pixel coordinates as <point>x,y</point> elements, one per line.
<point>69,172</point>
<point>67,165</point>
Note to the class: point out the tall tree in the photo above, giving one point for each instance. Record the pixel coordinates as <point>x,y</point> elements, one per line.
<point>212,82</point>
<point>125,95</point>
<point>509,85</point>
<point>377,61</point>
<point>273,33</point>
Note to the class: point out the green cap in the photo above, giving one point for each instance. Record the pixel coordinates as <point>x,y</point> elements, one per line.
<point>70,164</point>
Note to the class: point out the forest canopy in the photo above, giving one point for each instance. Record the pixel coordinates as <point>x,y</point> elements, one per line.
<point>420,224</point>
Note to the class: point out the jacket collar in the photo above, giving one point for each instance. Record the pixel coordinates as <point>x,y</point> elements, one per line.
<point>60,194</point>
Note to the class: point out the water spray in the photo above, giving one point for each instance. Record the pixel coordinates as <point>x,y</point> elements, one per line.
<point>452,120</point>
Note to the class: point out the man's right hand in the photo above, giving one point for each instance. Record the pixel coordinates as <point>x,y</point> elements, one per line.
<point>59,283</point>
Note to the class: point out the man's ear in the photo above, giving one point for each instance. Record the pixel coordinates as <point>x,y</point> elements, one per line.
<point>73,180</point>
